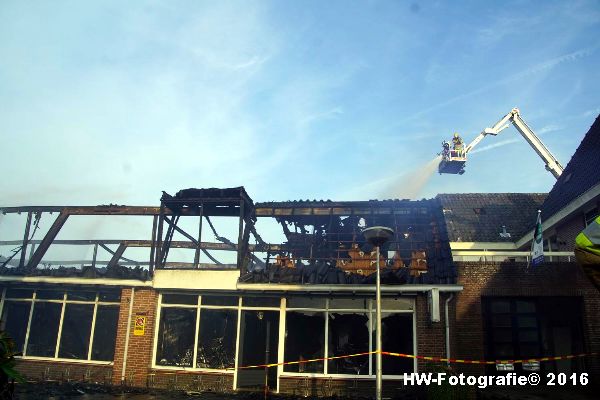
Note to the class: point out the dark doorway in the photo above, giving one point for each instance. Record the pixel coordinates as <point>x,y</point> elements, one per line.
<point>259,334</point>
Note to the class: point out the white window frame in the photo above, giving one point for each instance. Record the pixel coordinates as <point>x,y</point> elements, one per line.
<point>198,307</point>
<point>371,312</point>
<point>282,309</point>
<point>33,300</point>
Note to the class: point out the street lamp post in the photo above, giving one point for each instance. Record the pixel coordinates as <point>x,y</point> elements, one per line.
<point>377,236</point>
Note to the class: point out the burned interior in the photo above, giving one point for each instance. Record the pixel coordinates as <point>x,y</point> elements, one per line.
<point>322,241</point>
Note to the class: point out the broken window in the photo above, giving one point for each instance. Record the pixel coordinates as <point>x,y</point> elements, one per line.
<point>76,329</point>
<point>348,334</point>
<point>396,337</point>
<point>259,331</point>
<point>105,333</point>
<point>15,316</point>
<point>216,340</point>
<point>176,337</point>
<point>304,340</point>
<point>44,329</point>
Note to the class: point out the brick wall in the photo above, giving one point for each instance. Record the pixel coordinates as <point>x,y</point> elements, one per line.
<point>514,280</point>
<point>191,381</point>
<point>431,336</point>
<point>51,370</point>
<point>139,353</point>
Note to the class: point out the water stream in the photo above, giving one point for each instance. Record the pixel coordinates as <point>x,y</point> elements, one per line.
<point>410,185</point>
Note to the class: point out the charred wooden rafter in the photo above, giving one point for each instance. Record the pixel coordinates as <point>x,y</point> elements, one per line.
<point>317,232</point>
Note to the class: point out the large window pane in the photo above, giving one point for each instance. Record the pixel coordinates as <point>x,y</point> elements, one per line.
<point>105,333</point>
<point>14,321</point>
<point>348,334</point>
<point>216,341</point>
<point>176,337</point>
<point>76,329</point>
<point>396,337</point>
<point>44,329</point>
<point>304,340</point>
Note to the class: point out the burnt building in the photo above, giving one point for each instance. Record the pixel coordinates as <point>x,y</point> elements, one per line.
<point>227,284</point>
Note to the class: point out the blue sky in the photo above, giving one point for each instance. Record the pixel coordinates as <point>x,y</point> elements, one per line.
<point>112,102</point>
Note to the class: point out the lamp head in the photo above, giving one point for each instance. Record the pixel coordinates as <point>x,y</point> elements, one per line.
<point>378,235</point>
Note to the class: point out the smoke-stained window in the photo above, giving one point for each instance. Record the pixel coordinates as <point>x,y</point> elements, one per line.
<point>76,330</point>
<point>105,334</point>
<point>175,345</point>
<point>345,326</point>
<point>15,316</point>
<point>348,334</point>
<point>396,337</point>
<point>43,331</point>
<point>304,340</point>
<point>215,332</point>
<point>66,323</point>
<point>216,340</point>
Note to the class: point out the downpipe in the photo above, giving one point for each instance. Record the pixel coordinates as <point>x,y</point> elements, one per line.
<point>127,335</point>
<point>448,327</point>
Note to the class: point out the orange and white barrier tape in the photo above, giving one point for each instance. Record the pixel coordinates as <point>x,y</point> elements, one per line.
<point>306,361</point>
<point>427,358</point>
<point>414,356</point>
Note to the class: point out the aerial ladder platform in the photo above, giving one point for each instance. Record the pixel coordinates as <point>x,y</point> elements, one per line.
<point>454,159</point>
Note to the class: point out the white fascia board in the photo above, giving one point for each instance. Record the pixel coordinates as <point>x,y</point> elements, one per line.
<point>196,279</point>
<point>482,246</point>
<point>76,281</point>
<point>260,287</point>
<point>563,213</point>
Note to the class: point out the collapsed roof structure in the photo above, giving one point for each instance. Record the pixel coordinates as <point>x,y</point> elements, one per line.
<point>323,239</point>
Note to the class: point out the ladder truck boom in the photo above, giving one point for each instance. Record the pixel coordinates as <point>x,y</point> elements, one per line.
<point>514,117</point>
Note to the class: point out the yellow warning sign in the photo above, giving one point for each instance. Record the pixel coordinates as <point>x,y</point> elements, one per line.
<point>140,325</point>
